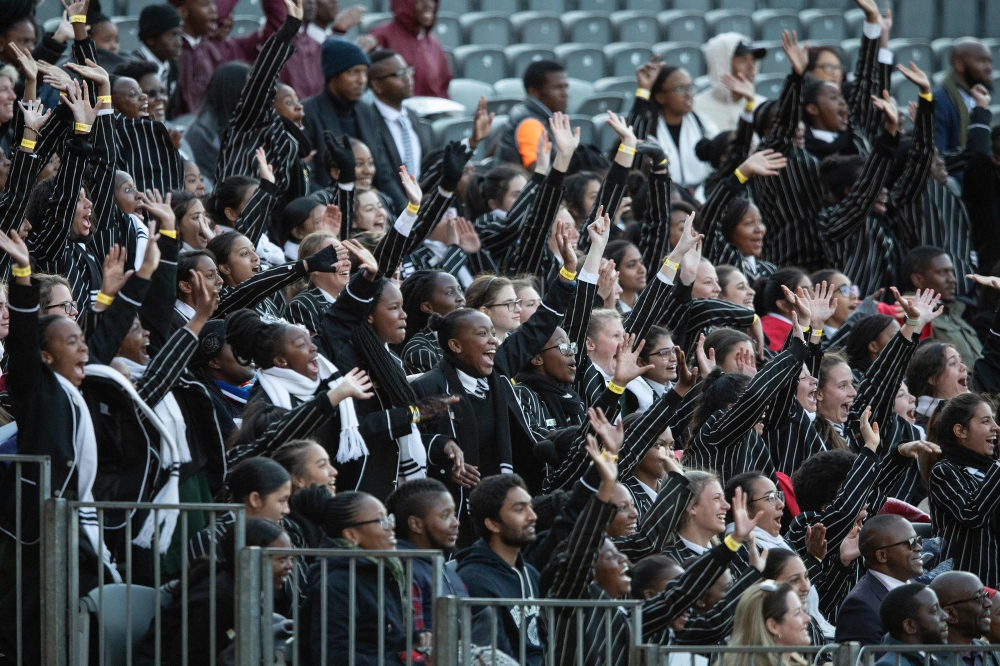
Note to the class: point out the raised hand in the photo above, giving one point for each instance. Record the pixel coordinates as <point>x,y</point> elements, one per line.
<point>686,377</point>
<point>738,85</point>
<point>849,547</point>
<point>816,540</point>
<point>434,407</point>
<point>822,304</point>
<point>756,558</point>
<point>543,154</point>
<point>206,299</point>
<point>482,123</point>
<point>689,264</point>
<point>763,163</point>
<point>606,464</point>
<point>984,280</point>
<point>467,236</point>
<point>28,65</point>
<point>869,431</point>
<point>78,100</point>
<point>294,8</point>
<point>627,365</point>
<point>349,18</point>
<point>916,76</point>
<point>565,137</point>
<point>13,244</point>
<point>915,448</point>
<point>624,131</point>
<point>797,55</point>
<point>888,107</point>
<point>115,275</point>
<point>611,434</point>
<point>870,9</point>
<point>655,153</point>
<point>607,278</point>
<point>981,95</point>
<point>743,525</point>
<point>56,77</point>
<point>366,260</point>
<point>92,72</point>
<point>689,239</point>
<point>799,301</point>
<point>410,186</point>
<point>343,156</point>
<point>646,73</point>
<point>158,207</point>
<point>355,384</point>
<point>34,115</point>
<point>599,230</point>
<point>566,248</point>
<point>746,363</point>
<point>263,168</point>
<point>706,362</point>
<point>923,307</point>
<point>453,165</point>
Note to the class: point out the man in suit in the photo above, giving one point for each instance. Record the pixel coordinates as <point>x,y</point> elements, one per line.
<point>339,110</point>
<point>391,79</point>
<point>968,607</point>
<point>912,615</point>
<point>892,556</point>
<point>162,40</point>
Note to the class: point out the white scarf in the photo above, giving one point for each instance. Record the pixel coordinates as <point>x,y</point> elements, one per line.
<point>685,167</point>
<point>85,454</point>
<point>168,410</point>
<point>280,384</point>
<point>926,405</point>
<point>767,541</point>
<point>170,459</point>
<point>141,239</point>
<point>412,454</point>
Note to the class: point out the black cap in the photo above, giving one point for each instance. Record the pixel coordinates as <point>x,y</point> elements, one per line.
<point>154,20</point>
<point>210,343</point>
<point>746,46</point>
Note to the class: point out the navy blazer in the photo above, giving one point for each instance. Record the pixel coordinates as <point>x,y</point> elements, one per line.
<point>858,618</point>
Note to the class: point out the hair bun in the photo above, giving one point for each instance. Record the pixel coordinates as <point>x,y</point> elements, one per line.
<point>435,322</point>
<point>703,150</point>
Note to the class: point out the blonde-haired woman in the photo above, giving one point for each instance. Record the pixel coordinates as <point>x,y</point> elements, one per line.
<point>769,614</point>
<point>704,517</point>
<point>317,291</point>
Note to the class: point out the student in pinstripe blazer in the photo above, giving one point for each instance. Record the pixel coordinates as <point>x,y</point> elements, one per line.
<point>322,288</point>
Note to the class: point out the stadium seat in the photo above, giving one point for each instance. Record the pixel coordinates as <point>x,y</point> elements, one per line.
<point>769,85</point>
<point>729,20</point>
<point>603,6</point>
<point>135,7</point>
<point>700,6</point>
<point>855,22</point>
<point>960,18</point>
<point>622,59</point>
<point>586,125</point>
<point>448,30</point>
<point>849,50</point>
<point>703,83</point>
<point>507,7</point>
<point>681,26</point>
<point>482,63</point>
<point>775,62</point>
<point>643,5</point>
<point>519,56</point>
<point>452,62</point>
<point>992,44</point>
<point>128,31</point>
<point>916,50</point>
<point>467,93</point>
<point>794,5</point>
<point>606,138</point>
<point>600,103</point>
<point>587,27</point>
<point>369,21</point>
<point>823,24</point>
<point>537,28</point>
<point>991,21</point>
<point>904,91</point>
<point>633,26</point>
<point>242,26</point>
<point>579,90</point>
<point>486,29</point>
<point>835,5</point>
<point>446,130</point>
<point>454,6</point>
<point>915,19</point>
<point>619,84</point>
<point>742,5</point>
<point>688,56</point>
<point>509,88</point>
<point>938,78</point>
<point>942,53</point>
<point>501,106</point>
<point>499,123</point>
<point>128,610</point>
<point>770,23</point>
<point>582,61</point>
<point>995,110</point>
<point>557,6</point>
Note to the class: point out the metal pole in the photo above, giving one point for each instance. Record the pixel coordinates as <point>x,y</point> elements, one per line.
<point>248,606</point>
<point>54,582</point>
<point>446,631</point>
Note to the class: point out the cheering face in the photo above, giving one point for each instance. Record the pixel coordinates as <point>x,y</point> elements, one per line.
<point>317,221</point>
<point>7,99</point>
<point>364,169</point>
<point>281,566</point>
<point>706,281</point>
<point>836,395</point>
<point>273,506</point>
<point>980,435</point>
<point>953,380</point>
<point>829,112</point>
<point>369,214</point>
<point>676,93</point>
<point>128,98</point>
<point>749,232</point>
<point>314,463</point>
<point>201,17</point>
<point>627,518</point>
<point>134,345</point>
<point>61,303</point>
<point>805,393</point>
<point>905,404</point>
<point>81,218</point>
<point>441,523</point>
<point>156,96</point>
<point>505,311</point>
<point>603,347</point>
<point>226,368</point>
<point>611,572</point>
<point>126,197</point>
<point>845,295</point>
<point>738,290</point>
<point>388,320</point>
<point>765,500</point>
<point>728,363</point>
<point>299,353</point>
<point>374,528</point>
<point>65,350</point>
<point>663,357</point>
<point>793,627</point>
<point>288,106</point>
<point>794,573</point>
<point>709,512</point>
<point>828,68</point>
<point>209,273</point>
<point>475,343</point>
<point>557,363</point>
<point>191,226</point>
<point>242,262</point>
<point>4,315</point>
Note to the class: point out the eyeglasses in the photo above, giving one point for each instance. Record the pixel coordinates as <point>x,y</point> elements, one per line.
<point>67,306</point>
<point>156,92</point>
<point>385,522</point>
<point>913,542</point>
<point>510,305</point>
<point>565,348</point>
<point>666,352</point>
<point>849,290</point>
<point>979,599</point>
<point>830,68</point>
<point>681,90</point>
<point>772,497</point>
<point>399,72</point>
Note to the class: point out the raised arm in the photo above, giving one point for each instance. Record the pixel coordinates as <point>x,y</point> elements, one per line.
<point>256,215</point>
<point>867,79</point>
<point>614,186</point>
<point>654,230</point>
<point>920,156</point>
<point>786,122</point>
<point>974,510</point>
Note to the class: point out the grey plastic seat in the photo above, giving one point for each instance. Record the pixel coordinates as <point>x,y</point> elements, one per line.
<point>509,88</point>
<point>942,53</point>
<point>775,62</point>
<point>604,6</point>
<point>794,5</point>
<point>242,25</point>
<point>916,50</point>
<point>486,29</point>
<point>823,24</point>
<point>128,32</point>
<point>607,138</point>
<point>468,91</point>
<point>769,85</point>
<point>682,26</point>
<point>579,90</point>
<point>600,103</point>
<point>688,56</point>
<point>635,26</point>
<point>742,5</point>
<point>455,6</point>
<point>770,23</point>
<point>586,125</point>
<point>904,91</point>
<point>113,602</point>
<point>643,5</point>
<point>452,62</point>
<point>501,106</point>
<point>585,27</point>
<point>503,6</point>
<point>729,20</point>
<point>369,21</point>
<point>855,19</point>
<point>557,6</point>
<point>537,28</point>
<point>835,5</point>
<point>915,19</point>
<point>991,20</point>
<point>992,43</point>
<point>960,18</point>
<point>482,63</point>
<point>619,84</point>
<point>849,51</point>
<point>700,6</point>
<point>519,56</point>
<point>446,130</point>
<point>582,61</point>
<point>622,59</point>
<point>703,83</point>
<point>448,30</point>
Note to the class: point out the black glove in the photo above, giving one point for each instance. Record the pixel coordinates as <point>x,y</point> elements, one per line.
<point>323,261</point>
<point>456,156</point>
<point>654,152</point>
<point>341,156</point>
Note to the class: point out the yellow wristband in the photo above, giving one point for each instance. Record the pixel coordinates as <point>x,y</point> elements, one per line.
<point>673,265</point>
<point>628,150</point>
<point>104,299</point>
<point>104,99</point>
<point>756,319</point>
<point>731,543</point>
<point>740,177</point>
<point>614,388</point>
<point>169,233</point>
<point>642,93</point>
<point>78,18</point>
<point>82,127</point>
<point>27,143</point>
<point>929,96</point>
<point>567,274</point>
<point>749,106</point>
<point>415,414</point>
<point>17,271</point>
<point>607,456</point>
<point>412,209</point>
<point>818,332</point>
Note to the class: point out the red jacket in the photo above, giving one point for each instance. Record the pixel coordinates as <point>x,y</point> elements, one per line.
<point>775,330</point>
<point>432,73</point>
<point>302,71</point>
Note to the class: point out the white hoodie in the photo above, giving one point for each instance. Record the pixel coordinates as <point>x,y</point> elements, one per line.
<point>717,103</point>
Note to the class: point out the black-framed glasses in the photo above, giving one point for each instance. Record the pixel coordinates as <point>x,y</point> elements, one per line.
<point>385,522</point>
<point>666,352</point>
<point>565,348</point>
<point>772,497</point>
<point>913,543</point>
<point>979,599</point>
<point>67,306</point>
<point>510,305</point>
<point>408,71</point>
<point>682,90</point>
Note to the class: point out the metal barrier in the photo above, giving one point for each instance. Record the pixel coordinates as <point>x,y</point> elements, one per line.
<point>673,655</point>
<point>124,611</point>
<point>454,618</point>
<point>869,654</point>
<point>256,603</point>
<point>43,485</point>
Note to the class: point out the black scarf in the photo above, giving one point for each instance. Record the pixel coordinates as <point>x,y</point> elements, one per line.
<point>964,457</point>
<point>564,404</point>
<point>465,423</point>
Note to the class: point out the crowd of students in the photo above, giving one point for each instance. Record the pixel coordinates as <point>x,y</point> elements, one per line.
<point>732,390</point>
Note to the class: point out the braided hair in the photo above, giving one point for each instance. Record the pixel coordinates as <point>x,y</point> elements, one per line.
<point>384,367</point>
<point>341,511</point>
<point>417,289</point>
<point>254,340</point>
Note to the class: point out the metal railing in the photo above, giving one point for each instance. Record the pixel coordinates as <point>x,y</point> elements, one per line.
<point>950,655</point>
<point>124,612</point>
<point>674,655</point>
<point>454,620</point>
<point>43,487</point>
<point>256,604</point>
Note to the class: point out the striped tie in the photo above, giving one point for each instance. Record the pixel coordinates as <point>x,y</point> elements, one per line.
<point>407,145</point>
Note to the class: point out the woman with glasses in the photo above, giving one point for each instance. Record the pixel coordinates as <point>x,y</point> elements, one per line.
<point>964,486</point>
<point>845,295</point>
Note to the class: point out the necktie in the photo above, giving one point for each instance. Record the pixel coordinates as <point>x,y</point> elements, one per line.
<point>407,145</point>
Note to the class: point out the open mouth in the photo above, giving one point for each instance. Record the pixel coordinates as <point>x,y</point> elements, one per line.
<point>911,415</point>
<point>85,222</point>
<point>811,397</point>
<point>255,269</point>
<point>80,369</point>
<point>964,383</point>
<point>144,353</point>
<point>488,357</point>
<point>630,528</point>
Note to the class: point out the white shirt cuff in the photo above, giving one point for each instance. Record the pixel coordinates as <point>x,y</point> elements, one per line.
<point>872,30</point>
<point>445,193</point>
<point>585,276</point>
<point>106,112</point>
<point>885,56</point>
<point>404,223</point>
<point>746,115</point>
<point>347,187</point>
<point>664,279</point>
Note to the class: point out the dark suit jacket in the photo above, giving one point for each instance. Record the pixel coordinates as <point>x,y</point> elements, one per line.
<point>386,143</point>
<point>321,116</point>
<point>858,619</point>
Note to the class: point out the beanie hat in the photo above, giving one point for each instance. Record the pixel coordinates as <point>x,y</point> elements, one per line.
<point>15,11</point>
<point>340,55</point>
<point>156,20</point>
<point>210,343</point>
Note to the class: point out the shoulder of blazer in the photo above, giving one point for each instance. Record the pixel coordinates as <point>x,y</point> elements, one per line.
<point>433,378</point>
